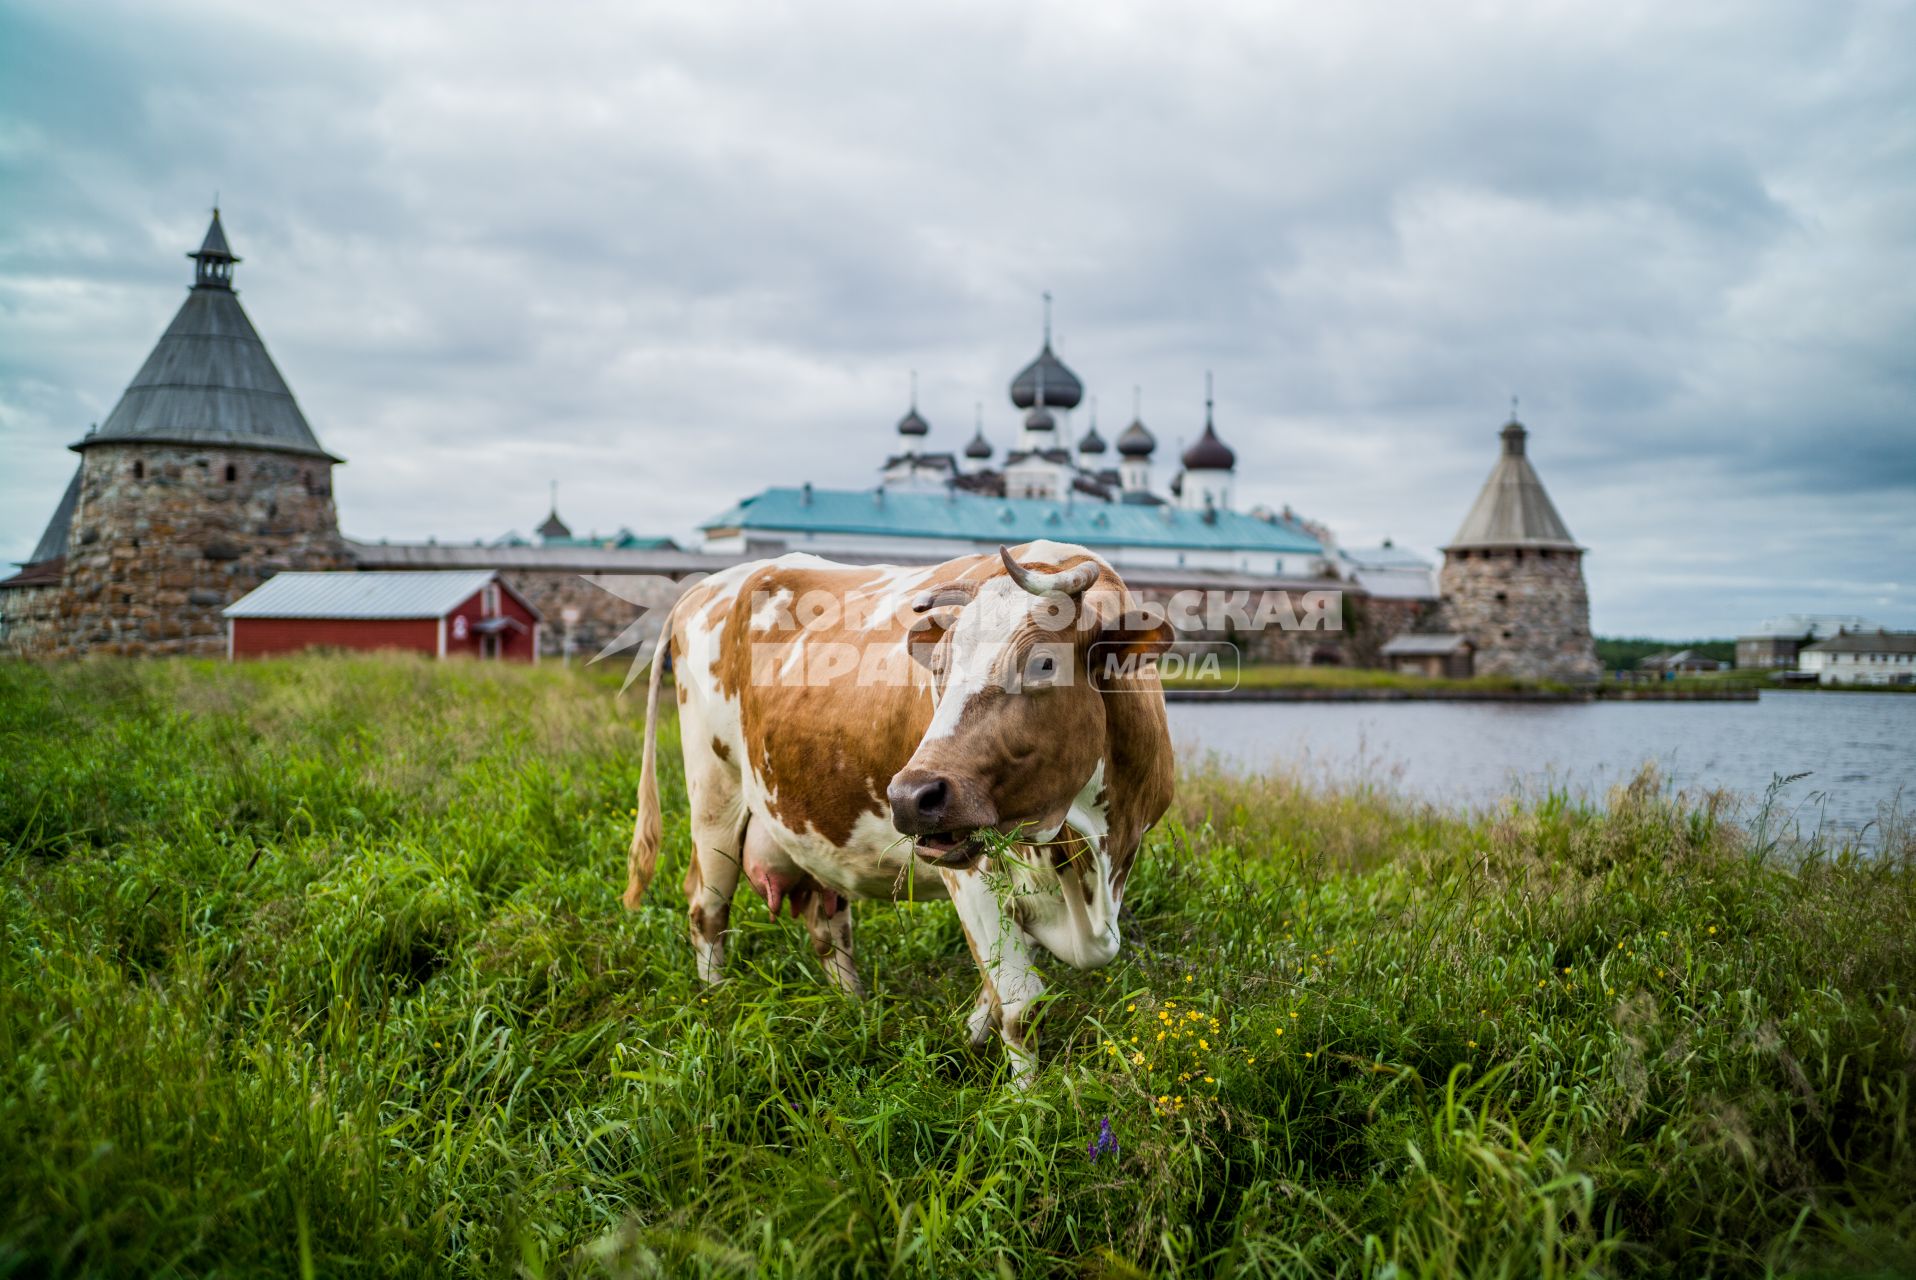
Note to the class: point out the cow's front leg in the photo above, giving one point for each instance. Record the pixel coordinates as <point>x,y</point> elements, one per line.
<point>983,1019</point>
<point>1002,950</point>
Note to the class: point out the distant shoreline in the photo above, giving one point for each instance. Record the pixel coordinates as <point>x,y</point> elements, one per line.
<point>1449,693</point>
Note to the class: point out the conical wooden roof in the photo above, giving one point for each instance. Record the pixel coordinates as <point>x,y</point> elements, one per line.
<point>1513,510</point>
<point>209,381</point>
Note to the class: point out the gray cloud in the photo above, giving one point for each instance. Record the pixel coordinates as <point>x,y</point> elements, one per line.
<point>669,257</point>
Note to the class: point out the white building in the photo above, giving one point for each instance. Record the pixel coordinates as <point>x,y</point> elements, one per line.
<point>1776,644</point>
<point>1862,657</point>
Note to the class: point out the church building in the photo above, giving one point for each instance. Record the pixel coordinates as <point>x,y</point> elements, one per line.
<point>1051,483</point>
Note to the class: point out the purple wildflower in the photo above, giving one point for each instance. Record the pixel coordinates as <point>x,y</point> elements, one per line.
<point>1105,1144</point>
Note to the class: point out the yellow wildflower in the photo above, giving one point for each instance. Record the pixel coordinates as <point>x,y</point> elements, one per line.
<point>1203,1043</point>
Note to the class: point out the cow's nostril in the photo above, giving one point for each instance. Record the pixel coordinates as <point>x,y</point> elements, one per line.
<point>930,800</point>
<point>919,804</point>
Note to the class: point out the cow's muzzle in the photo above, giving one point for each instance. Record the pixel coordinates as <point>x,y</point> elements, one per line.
<point>944,813</point>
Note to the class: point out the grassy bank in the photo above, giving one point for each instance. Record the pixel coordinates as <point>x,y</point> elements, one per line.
<point>319,966</point>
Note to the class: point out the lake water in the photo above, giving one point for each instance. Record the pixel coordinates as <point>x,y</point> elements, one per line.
<point>1858,749</point>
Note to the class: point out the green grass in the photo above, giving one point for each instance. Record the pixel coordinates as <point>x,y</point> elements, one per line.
<point>317,967</point>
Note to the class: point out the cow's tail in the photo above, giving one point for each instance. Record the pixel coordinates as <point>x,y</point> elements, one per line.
<point>648,828</point>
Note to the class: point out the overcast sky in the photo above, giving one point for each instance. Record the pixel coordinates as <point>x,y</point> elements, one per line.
<point>668,256</point>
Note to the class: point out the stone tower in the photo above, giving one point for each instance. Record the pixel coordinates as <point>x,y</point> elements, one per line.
<point>1513,577</point>
<point>204,481</point>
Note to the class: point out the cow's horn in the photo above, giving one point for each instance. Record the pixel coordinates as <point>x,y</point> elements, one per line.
<point>1071,582</point>
<point>944,594</point>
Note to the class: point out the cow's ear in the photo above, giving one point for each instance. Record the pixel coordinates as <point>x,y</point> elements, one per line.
<point>923,640</point>
<point>1148,639</point>
<point>936,608</point>
<point>1129,630</point>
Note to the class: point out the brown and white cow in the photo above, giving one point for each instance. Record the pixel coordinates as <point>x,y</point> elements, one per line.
<point>865,748</point>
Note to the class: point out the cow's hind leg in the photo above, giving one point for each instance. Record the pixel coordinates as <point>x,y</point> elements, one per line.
<point>711,877</point>
<point>828,918</point>
<point>709,883</point>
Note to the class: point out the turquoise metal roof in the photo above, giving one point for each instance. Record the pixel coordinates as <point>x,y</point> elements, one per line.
<point>974,518</point>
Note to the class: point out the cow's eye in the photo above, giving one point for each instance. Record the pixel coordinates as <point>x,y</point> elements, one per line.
<point>1041,669</point>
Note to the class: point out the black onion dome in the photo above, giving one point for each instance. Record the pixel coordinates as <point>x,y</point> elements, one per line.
<point>979,446</point>
<point>1135,441</point>
<point>913,424</point>
<point>1092,442</point>
<point>1040,419</point>
<point>1209,453</point>
<point>1062,390</point>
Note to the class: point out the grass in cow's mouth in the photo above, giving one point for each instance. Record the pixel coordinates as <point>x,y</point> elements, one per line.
<point>324,960</point>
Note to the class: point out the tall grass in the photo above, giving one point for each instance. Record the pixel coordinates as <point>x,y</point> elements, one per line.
<point>318,967</point>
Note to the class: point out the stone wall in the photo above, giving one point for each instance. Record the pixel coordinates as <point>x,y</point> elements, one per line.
<point>603,615</point>
<point>163,540</point>
<point>1358,626</point>
<point>1525,610</point>
<point>30,619</point>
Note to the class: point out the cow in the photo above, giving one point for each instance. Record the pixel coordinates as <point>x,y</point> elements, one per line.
<point>989,730</point>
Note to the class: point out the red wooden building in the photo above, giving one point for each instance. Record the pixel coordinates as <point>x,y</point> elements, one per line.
<point>467,613</point>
